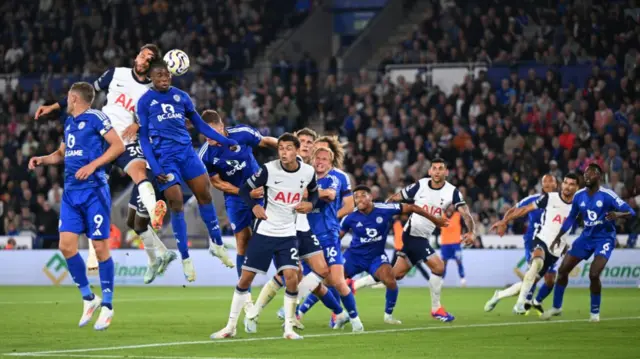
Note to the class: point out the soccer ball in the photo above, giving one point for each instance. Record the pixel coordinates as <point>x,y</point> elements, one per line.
<point>177,62</point>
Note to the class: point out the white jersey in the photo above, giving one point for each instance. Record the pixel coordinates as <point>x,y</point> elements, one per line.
<point>434,201</point>
<point>302,223</point>
<point>123,92</point>
<point>555,212</point>
<point>283,191</point>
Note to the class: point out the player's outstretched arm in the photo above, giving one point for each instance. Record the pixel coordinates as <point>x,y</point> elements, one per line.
<point>116,148</point>
<point>623,210</point>
<point>269,142</point>
<point>465,212</point>
<point>54,158</point>
<point>203,127</point>
<point>412,208</point>
<point>348,204</point>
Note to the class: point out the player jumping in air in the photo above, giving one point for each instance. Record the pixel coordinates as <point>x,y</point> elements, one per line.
<point>555,208</point>
<point>434,195</point>
<point>600,208</point>
<point>534,217</point>
<point>166,144</point>
<point>86,201</point>
<point>124,87</point>
<point>370,226</point>
<point>274,237</point>
<point>316,267</point>
<point>230,169</point>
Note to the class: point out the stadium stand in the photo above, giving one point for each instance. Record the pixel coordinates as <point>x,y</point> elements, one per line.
<point>556,92</point>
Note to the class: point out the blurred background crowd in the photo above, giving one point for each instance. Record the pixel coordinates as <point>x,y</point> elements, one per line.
<point>499,130</point>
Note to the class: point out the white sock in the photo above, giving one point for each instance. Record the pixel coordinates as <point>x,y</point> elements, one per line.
<point>237,303</point>
<point>267,293</point>
<point>308,284</point>
<point>435,285</point>
<point>363,282</point>
<point>149,245</point>
<point>530,279</point>
<point>511,291</point>
<point>157,242</point>
<point>147,196</point>
<point>289,310</point>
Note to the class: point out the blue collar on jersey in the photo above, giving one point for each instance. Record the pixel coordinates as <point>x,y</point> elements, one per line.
<point>286,170</point>
<point>133,74</point>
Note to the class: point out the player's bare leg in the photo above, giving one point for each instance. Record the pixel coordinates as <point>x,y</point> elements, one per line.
<point>201,187</point>
<point>69,248</point>
<point>436,265</point>
<point>290,302</point>
<point>386,276</point>
<point>545,289</point>
<point>529,280</point>
<point>237,303</point>
<point>336,280</point>
<point>568,263</point>
<point>174,198</point>
<point>595,286</point>
<point>137,170</point>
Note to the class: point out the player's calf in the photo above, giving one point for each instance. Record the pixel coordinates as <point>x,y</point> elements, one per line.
<point>385,274</point>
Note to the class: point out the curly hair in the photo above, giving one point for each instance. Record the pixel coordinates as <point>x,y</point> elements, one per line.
<point>336,147</point>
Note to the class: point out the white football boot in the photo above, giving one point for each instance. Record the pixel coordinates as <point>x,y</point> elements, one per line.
<point>224,333</point>
<point>189,271</point>
<point>594,317</point>
<point>104,320</point>
<point>88,308</point>
<point>356,325</point>
<point>388,318</point>
<point>491,304</point>
<point>152,271</point>
<point>221,252</point>
<point>167,258</point>
<point>553,312</point>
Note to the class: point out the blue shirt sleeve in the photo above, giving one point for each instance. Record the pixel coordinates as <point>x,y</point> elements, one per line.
<point>619,204</point>
<point>204,157</point>
<point>142,111</point>
<point>247,135</point>
<point>542,201</point>
<point>345,224</point>
<point>346,187</point>
<point>410,191</point>
<point>527,200</point>
<point>102,83</point>
<point>100,122</point>
<point>257,180</point>
<point>202,126</point>
<point>396,208</point>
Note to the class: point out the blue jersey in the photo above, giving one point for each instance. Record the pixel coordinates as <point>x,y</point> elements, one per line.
<point>163,128</point>
<point>324,217</point>
<point>84,142</point>
<point>534,217</point>
<point>235,167</point>
<point>369,231</point>
<point>593,209</point>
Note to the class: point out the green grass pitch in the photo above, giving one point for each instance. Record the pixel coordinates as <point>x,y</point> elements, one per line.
<point>175,322</point>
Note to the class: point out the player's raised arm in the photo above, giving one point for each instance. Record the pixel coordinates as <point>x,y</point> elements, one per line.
<point>202,126</point>
<point>521,211</point>
<point>269,142</point>
<point>623,210</point>
<point>407,193</point>
<point>54,158</point>
<point>412,208</point>
<point>102,83</point>
<point>142,111</point>
<point>116,147</point>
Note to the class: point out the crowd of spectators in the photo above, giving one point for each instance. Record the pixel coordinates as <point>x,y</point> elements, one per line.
<point>49,40</point>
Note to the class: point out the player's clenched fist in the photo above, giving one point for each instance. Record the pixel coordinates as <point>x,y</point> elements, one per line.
<point>35,162</point>
<point>304,207</point>
<point>259,212</point>
<point>85,172</point>
<point>257,193</point>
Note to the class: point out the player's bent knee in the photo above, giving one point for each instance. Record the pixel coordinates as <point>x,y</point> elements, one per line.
<point>68,246</point>
<point>131,218</point>
<point>102,249</point>
<point>594,275</point>
<point>176,205</point>
<point>140,224</point>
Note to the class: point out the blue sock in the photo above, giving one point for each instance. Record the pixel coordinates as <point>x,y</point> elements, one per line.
<point>460,269</point>
<point>543,292</point>
<point>595,303</point>
<point>444,270</point>
<point>210,218</point>
<point>531,291</point>
<point>391,298</point>
<point>331,302</point>
<point>78,272</point>
<point>180,232</point>
<point>308,303</point>
<point>349,302</point>
<point>107,273</point>
<point>334,291</point>
<point>558,295</point>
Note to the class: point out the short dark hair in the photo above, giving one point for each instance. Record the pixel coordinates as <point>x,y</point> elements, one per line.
<point>573,176</point>
<point>157,63</point>
<point>307,132</point>
<point>211,117</point>
<point>85,90</point>
<point>362,188</point>
<point>289,137</point>
<point>439,160</point>
<point>157,53</point>
<point>596,167</point>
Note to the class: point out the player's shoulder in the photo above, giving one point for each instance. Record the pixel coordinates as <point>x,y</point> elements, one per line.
<point>205,150</point>
<point>307,169</point>
<point>608,192</point>
<point>176,91</point>
<point>121,70</point>
<point>380,206</point>
<point>95,115</point>
<point>242,129</point>
<point>581,192</point>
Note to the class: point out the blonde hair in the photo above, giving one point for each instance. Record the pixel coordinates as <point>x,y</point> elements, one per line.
<point>336,148</point>
<point>307,132</point>
<point>325,149</point>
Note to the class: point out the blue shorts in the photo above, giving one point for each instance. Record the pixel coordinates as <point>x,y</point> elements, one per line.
<point>451,251</point>
<point>86,211</point>
<point>132,153</point>
<point>584,247</point>
<point>415,249</point>
<point>240,215</point>
<point>135,202</point>
<point>180,162</point>
<point>356,263</point>
<point>331,246</point>
<point>261,249</point>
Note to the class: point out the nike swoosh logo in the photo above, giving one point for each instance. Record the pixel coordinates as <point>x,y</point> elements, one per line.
<point>119,85</point>
<point>277,182</point>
